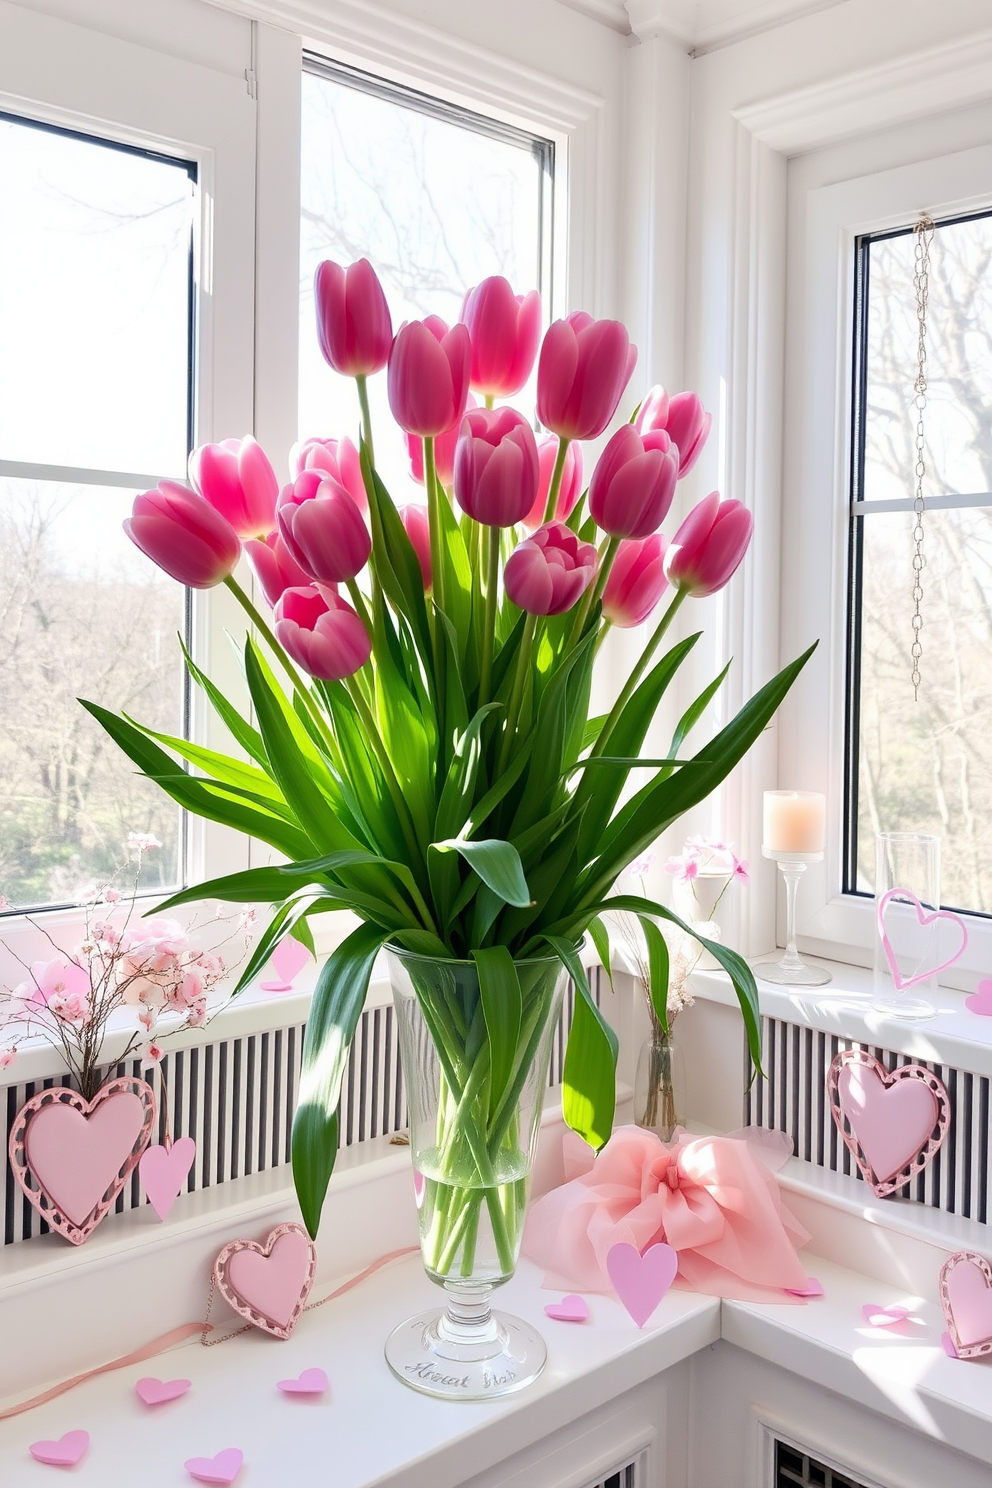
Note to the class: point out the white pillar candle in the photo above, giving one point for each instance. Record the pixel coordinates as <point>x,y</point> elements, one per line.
<point>794,821</point>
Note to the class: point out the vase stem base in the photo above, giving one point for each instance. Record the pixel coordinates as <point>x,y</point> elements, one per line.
<point>431,1356</point>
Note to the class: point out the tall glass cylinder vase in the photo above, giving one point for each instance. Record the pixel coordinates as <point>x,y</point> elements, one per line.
<point>474,1096</point>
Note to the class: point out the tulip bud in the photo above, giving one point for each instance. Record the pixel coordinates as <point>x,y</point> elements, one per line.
<point>275,567</point>
<point>496,467</point>
<point>444,452</point>
<point>571,481</point>
<point>584,367</point>
<point>416,524</point>
<point>688,425</point>
<point>653,412</point>
<point>633,484</point>
<point>323,528</point>
<point>321,633</point>
<point>547,573</point>
<point>337,457</point>
<point>184,535</point>
<point>353,323</point>
<point>236,478</point>
<point>636,582</point>
<point>709,545</point>
<point>505,329</point>
<point>428,374</point>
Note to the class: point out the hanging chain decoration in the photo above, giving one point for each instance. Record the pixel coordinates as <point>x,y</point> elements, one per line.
<point>923,233</point>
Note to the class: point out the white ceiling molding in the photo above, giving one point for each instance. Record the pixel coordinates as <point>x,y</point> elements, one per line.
<point>612,13</point>
<point>703,25</point>
<point>931,81</point>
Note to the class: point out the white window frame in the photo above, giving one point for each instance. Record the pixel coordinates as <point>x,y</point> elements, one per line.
<point>59,73</point>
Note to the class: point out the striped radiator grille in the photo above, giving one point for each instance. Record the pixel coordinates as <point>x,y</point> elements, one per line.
<point>237,1096</point>
<point>791,1097</point>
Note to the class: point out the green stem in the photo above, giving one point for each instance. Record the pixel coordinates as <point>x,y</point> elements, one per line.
<point>300,687</point>
<point>595,591</point>
<point>489,625</point>
<point>358,600</point>
<point>363,403</point>
<point>516,697</point>
<point>374,738</point>
<point>556,476</point>
<point>433,518</point>
<point>637,673</point>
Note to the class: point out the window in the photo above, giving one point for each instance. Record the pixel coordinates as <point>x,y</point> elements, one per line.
<point>923,765</point>
<point>96,393</point>
<point>435,197</point>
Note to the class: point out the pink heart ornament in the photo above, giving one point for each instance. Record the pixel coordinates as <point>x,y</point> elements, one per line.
<point>980,1002</point>
<point>268,1284</point>
<point>310,1382</point>
<point>966,1298</point>
<point>65,1452</point>
<point>287,961</point>
<point>640,1281</point>
<point>924,919</point>
<point>883,1317</point>
<point>72,1157</point>
<point>223,1468</point>
<point>571,1309</point>
<point>156,1392</point>
<point>892,1122</point>
<point>164,1171</point>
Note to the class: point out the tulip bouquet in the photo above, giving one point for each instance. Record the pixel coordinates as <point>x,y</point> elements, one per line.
<point>422,750</point>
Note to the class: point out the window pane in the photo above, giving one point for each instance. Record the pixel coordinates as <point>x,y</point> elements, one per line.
<point>958,415</point>
<point>435,207</point>
<point>82,614</point>
<point>927,766</point>
<point>94,303</point>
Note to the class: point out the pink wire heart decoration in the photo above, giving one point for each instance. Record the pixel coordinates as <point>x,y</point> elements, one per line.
<point>157,1392</point>
<point>268,1284</point>
<point>924,919</point>
<point>65,1452</point>
<point>164,1171</point>
<point>640,1281</point>
<point>966,1298</point>
<point>223,1468</point>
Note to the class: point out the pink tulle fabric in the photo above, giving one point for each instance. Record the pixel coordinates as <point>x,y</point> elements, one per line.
<point>713,1199</point>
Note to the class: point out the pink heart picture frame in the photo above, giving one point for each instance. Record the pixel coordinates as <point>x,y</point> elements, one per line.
<point>892,1122</point>
<point>924,917</point>
<point>268,1284</point>
<point>966,1299</point>
<point>72,1157</point>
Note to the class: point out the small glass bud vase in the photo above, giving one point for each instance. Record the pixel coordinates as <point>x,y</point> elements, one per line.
<point>659,1085</point>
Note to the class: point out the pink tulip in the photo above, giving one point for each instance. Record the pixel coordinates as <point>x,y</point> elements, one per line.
<point>275,567</point>
<point>688,425</point>
<point>636,582</point>
<point>584,367</point>
<point>505,329</point>
<point>236,478</point>
<point>416,524</point>
<point>428,374</point>
<point>709,545</point>
<point>444,451</point>
<point>633,484</point>
<point>547,573</point>
<point>322,633</point>
<point>323,529</point>
<point>353,323</point>
<point>183,534</point>
<point>653,412</point>
<point>496,467</point>
<point>571,481</point>
<point>337,457</point>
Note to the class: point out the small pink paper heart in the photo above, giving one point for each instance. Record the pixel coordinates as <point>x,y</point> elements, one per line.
<point>813,1288</point>
<point>640,1281</point>
<point>156,1392</point>
<point>947,1344</point>
<point>570,1309</point>
<point>223,1468</point>
<point>65,1452</point>
<point>163,1172</point>
<point>883,1317</point>
<point>981,1001</point>
<point>287,961</point>
<point>310,1382</point>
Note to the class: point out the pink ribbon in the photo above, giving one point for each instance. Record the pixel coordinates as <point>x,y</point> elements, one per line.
<point>713,1199</point>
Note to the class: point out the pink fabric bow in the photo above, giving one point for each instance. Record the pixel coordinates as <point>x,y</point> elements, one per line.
<point>713,1199</point>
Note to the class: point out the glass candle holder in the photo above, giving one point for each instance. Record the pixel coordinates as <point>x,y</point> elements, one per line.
<point>792,971</point>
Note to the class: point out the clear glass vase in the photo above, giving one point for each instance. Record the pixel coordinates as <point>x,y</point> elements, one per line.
<point>473,1135</point>
<point>659,1085</point>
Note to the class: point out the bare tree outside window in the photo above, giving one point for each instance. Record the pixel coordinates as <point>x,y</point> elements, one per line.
<point>927,765</point>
